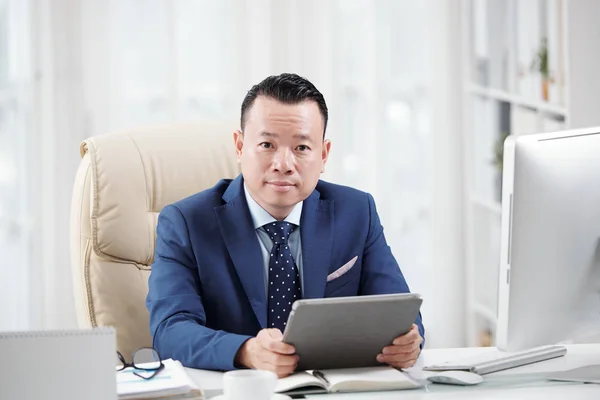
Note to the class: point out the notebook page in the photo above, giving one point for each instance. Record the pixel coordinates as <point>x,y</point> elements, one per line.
<point>366,379</point>
<point>298,380</point>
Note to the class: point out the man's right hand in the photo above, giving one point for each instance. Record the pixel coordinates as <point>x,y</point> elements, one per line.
<point>267,351</point>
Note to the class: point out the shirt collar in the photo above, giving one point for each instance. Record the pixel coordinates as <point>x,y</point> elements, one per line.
<point>261,217</point>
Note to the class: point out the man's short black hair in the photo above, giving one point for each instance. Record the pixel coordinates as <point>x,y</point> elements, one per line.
<point>288,89</point>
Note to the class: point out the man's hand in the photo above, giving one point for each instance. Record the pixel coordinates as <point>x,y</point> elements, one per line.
<point>404,351</point>
<point>266,351</point>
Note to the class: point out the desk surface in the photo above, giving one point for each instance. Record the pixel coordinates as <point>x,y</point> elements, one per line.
<point>526,382</point>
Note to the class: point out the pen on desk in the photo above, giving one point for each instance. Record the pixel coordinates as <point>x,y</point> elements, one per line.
<point>321,376</point>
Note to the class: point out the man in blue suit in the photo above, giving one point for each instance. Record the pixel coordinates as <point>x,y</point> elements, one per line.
<point>231,260</point>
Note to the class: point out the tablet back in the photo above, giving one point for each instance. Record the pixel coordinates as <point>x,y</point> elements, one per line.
<point>348,332</point>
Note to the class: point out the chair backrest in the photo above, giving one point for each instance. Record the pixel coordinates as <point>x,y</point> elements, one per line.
<point>123,182</point>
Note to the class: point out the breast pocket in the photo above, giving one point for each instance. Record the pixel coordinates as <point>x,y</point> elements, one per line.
<point>345,285</point>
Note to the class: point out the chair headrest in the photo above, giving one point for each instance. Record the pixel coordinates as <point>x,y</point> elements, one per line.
<point>135,173</point>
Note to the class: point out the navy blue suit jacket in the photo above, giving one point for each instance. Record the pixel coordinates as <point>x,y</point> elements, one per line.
<point>206,289</point>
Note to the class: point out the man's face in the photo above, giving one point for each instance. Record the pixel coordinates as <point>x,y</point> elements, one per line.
<point>281,153</point>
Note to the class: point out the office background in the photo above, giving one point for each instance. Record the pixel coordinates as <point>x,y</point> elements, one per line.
<point>420,93</point>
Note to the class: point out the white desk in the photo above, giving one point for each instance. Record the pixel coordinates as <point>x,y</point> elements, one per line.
<point>525,382</point>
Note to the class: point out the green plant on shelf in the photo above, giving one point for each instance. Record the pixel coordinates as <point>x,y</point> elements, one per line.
<point>540,64</point>
<point>499,151</point>
<point>540,60</point>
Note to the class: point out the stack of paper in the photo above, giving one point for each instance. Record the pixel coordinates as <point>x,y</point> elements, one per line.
<point>170,383</point>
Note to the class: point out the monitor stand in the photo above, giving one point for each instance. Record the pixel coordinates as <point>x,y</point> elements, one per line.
<point>587,374</point>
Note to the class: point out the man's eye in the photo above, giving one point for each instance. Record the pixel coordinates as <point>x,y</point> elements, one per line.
<point>266,145</point>
<point>302,147</point>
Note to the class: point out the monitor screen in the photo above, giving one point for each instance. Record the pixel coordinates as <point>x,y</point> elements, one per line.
<point>549,275</point>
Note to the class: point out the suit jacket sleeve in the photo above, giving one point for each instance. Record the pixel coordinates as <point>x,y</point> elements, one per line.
<point>177,316</point>
<point>381,273</point>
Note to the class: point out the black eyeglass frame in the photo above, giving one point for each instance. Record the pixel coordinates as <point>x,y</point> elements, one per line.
<point>154,371</point>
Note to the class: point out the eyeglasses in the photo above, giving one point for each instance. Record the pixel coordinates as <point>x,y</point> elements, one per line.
<point>146,363</point>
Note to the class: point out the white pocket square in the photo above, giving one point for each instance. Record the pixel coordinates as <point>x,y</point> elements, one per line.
<point>342,270</point>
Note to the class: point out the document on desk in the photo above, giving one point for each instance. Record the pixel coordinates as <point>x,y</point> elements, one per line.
<point>171,383</point>
<point>346,380</point>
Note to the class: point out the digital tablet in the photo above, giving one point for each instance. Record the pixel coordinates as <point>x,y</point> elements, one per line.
<point>348,332</point>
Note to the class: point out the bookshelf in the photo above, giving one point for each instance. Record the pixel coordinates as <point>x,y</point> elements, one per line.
<point>528,66</point>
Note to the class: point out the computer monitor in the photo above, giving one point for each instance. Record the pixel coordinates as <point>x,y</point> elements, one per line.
<point>549,275</point>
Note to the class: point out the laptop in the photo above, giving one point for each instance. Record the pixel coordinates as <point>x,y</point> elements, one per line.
<point>66,365</point>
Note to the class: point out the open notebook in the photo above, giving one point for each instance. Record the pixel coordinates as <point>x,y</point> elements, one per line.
<point>346,380</point>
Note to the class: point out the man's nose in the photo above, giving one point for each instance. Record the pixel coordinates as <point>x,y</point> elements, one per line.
<point>283,161</point>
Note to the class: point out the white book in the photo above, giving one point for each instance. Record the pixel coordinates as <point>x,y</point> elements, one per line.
<point>347,380</point>
<point>555,53</point>
<point>497,32</point>
<point>170,383</point>
<point>480,42</point>
<point>552,125</point>
<point>485,133</point>
<point>523,120</point>
<point>528,42</point>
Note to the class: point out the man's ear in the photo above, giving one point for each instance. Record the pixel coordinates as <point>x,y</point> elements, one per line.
<point>238,140</point>
<point>325,153</point>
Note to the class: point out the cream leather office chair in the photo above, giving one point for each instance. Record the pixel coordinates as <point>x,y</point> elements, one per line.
<point>123,182</point>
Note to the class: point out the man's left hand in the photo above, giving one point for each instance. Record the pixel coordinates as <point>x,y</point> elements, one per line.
<point>404,351</point>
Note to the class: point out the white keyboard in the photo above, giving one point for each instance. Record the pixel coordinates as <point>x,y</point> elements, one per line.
<point>492,362</point>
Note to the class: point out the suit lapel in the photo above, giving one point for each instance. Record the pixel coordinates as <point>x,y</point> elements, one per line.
<point>242,244</point>
<point>316,232</point>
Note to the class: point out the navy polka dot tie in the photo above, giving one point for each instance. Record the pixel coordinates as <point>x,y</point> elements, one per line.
<point>284,280</point>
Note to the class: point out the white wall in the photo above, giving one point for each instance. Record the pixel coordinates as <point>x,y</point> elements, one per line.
<point>387,69</point>
<point>448,278</point>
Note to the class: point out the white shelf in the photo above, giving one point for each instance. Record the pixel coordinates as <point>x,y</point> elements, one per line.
<point>502,95</point>
<point>490,205</point>
<point>499,39</point>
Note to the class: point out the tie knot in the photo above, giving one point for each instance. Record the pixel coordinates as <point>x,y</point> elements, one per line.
<point>279,231</point>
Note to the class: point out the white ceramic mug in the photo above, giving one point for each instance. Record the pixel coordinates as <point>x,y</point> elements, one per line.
<point>249,384</point>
